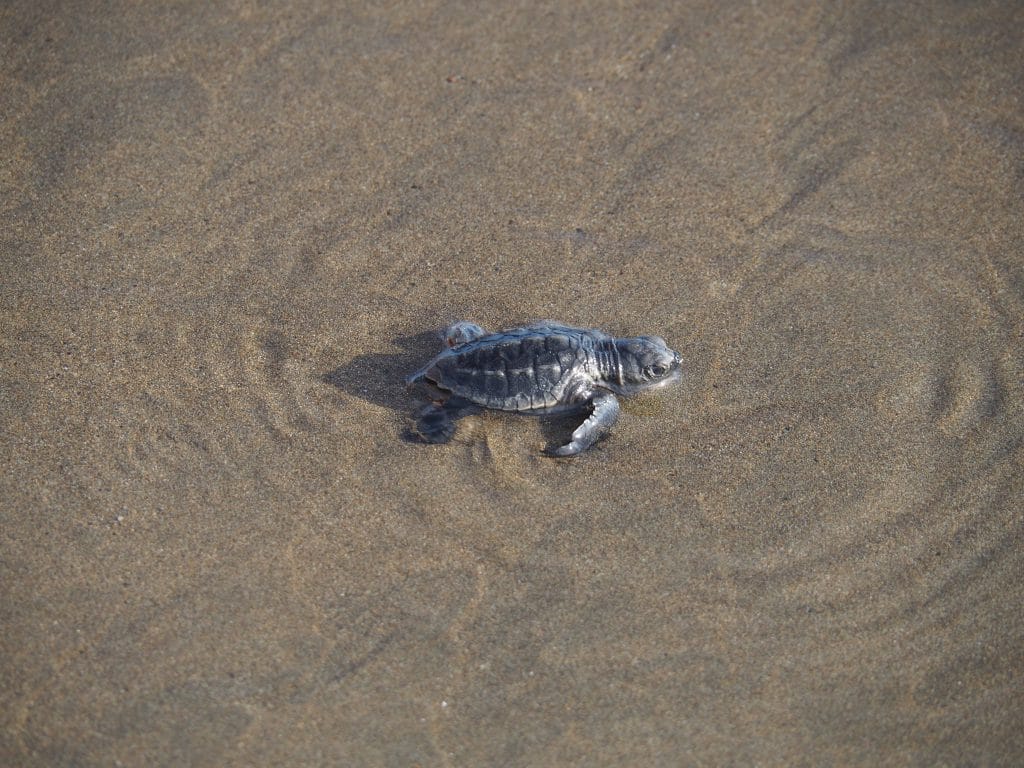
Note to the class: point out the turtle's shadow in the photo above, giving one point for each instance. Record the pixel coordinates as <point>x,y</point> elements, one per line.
<point>380,378</point>
<point>557,428</point>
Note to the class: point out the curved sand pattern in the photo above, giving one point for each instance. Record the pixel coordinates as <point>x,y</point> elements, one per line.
<point>230,232</point>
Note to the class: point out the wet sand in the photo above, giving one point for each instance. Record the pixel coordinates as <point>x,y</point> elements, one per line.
<point>227,235</point>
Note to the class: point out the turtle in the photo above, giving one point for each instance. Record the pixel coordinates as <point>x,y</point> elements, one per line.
<point>541,368</point>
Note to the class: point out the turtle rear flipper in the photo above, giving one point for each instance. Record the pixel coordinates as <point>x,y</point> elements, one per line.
<point>436,423</point>
<point>462,332</point>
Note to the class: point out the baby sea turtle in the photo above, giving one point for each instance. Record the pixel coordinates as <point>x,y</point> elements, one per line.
<point>544,367</point>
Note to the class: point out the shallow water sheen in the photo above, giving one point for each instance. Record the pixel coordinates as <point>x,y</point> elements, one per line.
<point>229,234</point>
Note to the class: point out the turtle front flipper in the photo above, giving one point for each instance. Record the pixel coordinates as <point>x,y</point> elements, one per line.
<point>605,414</point>
<point>436,423</point>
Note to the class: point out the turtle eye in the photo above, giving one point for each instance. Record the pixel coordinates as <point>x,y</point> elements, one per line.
<point>657,370</point>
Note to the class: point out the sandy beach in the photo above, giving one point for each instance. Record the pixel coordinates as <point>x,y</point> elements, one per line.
<point>230,230</point>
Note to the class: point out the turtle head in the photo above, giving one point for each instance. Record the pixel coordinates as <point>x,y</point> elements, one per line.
<point>646,363</point>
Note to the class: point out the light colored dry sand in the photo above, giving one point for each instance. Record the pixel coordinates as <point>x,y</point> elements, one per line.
<point>225,232</point>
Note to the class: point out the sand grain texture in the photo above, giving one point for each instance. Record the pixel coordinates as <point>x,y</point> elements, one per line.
<point>227,233</point>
